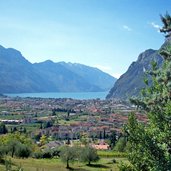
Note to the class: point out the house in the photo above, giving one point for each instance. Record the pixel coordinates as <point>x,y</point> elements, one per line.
<point>101,146</point>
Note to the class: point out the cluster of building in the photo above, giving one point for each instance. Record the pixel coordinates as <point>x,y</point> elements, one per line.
<point>102,117</point>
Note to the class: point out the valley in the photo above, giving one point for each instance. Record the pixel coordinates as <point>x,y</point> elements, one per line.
<point>51,123</point>
<point>66,117</point>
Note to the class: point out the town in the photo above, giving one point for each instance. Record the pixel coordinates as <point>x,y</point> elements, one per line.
<point>66,120</point>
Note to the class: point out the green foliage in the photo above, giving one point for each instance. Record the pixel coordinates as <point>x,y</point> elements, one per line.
<point>22,151</point>
<point>121,144</point>
<point>43,140</point>
<point>12,147</point>
<point>47,124</point>
<point>68,154</point>
<point>166,19</point>
<point>88,154</point>
<point>37,155</point>
<point>2,152</point>
<point>3,129</point>
<point>84,139</point>
<point>112,139</point>
<point>55,152</point>
<point>150,144</point>
<point>125,167</point>
<point>16,145</point>
<point>48,153</point>
<point>8,165</point>
<point>111,154</point>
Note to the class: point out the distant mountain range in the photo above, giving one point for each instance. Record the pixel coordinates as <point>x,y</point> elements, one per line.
<point>131,82</point>
<point>18,75</point>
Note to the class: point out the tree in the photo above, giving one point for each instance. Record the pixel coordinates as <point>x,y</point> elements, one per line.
<point>84,139</point>
<point>68,154</point>
<point>112,139</point>
<point>47,124</point>
<point>12,146</point>
<point>89,154</point>
<point>12,142</point>
<point>3,129</point>
<point>43,140</point>
<point>151,143</point>
<point>167,24</point>
<point>121,144</point>
<point>22,151</point>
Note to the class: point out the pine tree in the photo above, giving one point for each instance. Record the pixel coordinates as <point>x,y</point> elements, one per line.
<point>151,143</point>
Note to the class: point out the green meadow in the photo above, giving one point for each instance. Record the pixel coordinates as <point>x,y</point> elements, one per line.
<point>30,164</point>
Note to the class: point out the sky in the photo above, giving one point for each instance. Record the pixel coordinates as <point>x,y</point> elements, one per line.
<point>107,34</point>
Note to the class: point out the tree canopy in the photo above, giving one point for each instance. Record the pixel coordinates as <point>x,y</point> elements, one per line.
<point>151,142</point>
<point>89,154</point>
<point>68,154</point>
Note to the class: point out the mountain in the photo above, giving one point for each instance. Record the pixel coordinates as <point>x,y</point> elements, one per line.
<point>131,82</point>
<point>17,75</point>
<point>63,79</point>
<point>91,75</point>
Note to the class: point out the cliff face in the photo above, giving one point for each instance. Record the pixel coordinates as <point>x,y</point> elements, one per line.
<point>131,82</point>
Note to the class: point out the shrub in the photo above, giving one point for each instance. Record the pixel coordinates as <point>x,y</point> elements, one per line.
<point>47,154</point>
<point>55,152</point>
<point>22,151</point>
<point>37,155</point>
<point>125,167</point>
<point>43,154</point>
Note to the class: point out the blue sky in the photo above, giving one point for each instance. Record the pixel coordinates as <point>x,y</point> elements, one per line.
<point>108,34</point>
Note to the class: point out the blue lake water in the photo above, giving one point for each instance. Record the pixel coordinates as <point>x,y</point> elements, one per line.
<point>75,95</point>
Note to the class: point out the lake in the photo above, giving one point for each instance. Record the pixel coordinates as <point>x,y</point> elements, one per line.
<point>75,95</point>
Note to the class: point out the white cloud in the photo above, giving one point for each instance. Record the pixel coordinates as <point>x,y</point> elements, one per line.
<point>156,26</point>
<point>127,28</point>
<point>107,69</point>
<point>116,75</point>
<point>103,68</point>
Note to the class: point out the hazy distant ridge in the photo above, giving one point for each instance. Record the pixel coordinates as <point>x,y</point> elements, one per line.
<point>17,75</point>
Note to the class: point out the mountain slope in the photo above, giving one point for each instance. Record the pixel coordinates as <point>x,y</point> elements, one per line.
<point>92,75</point>
<point>64,79</point>
<point>131,82</point>
<point>17,75</point>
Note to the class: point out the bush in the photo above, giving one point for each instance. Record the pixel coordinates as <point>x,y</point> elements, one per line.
<point>43,154</point>
<point>47,154</point>
<point>22,151</point>
<point>55,152</point>
<point>121,144</point>
<point>125,167</point>
<point>37,155</point>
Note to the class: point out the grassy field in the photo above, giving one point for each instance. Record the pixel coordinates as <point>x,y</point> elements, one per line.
<point>104,164</point>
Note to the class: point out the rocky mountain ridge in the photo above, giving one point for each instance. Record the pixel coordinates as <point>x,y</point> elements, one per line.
<point>131,82</point>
